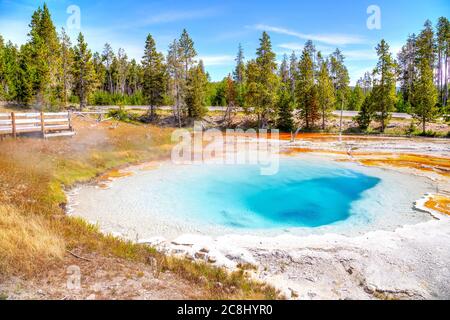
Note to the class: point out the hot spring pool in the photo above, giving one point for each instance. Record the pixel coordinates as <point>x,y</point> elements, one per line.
<point>308,194</point>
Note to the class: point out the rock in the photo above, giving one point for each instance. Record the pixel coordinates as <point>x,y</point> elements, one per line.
<point>211,259</point>
<point>200,255</point>
<point>312,295</point>
<point>294,294</point>
<point>91,297</point>
<point>370,289</point>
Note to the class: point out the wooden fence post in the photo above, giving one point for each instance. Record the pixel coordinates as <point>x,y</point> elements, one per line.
<point>69,115</point>
<point>13,124</point>
<point>42,124</point>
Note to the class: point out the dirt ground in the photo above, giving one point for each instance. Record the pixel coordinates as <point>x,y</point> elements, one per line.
<point>100,278</point>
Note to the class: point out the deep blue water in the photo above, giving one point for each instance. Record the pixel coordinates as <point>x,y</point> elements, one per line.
<point>302,194</point>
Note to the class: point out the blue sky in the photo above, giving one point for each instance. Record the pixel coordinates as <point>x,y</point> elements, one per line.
<point>217,27</point>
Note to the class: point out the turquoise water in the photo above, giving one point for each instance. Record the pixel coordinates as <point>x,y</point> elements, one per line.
<point>302,194</point>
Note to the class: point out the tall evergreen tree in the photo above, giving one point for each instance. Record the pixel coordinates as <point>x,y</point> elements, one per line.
<point>108,58</point>
<point>239,77</point>
<point>122,70</point>
<point>425,95</point>
<point>293,73</point>
<point>196,92</point>
<point>175,68</point>
<point>136,78</point>
<point>443,48</point>
<point>365,115</point>
<point>407,64</point>
<point>285,109</point>
<point>239,71</point>
<point>340,77</point>
<point>385,85</point>
<point>100,72</point>
<point>326,92</point>
<point>426,46</point>
<point>262,82</point>
<point>43,48</point>
<point>2,68</point>
<point>306,95</point>
<point>188,53</point>
<point>10,71</point>
<point>231,97</point>
<point>154,75</point>
<point>83,71</point>
<point>356,98</point>
<point>66,58</point>
<point>284,70</point>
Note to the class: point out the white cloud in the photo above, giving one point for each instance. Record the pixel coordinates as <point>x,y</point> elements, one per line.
<point>358,55</point>
<point>333,39</point>
<point>217,60</point>
<point>173,16</point>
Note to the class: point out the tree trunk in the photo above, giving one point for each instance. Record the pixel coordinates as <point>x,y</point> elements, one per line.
<point>340,122</point>
<point>446,80</point>
<point>424,126</point>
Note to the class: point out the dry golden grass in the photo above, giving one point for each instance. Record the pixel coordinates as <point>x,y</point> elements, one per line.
<point>27,242</point>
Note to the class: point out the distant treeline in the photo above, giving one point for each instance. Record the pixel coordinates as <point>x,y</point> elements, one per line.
<point>49,72</point>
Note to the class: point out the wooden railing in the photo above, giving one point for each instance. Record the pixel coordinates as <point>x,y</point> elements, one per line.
<point>46,123</point>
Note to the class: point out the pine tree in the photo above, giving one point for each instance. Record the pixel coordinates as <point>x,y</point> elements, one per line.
<point>356,98</point>
<point>177,82</point>
<point>196,92</point>
<point>2,68</point>
<point>443,48</point>
<point>43,48</point>
<point>122,70</point>
<point>407,64</point>
<point>100,71</point>
<point>188,53</point>
<point>239,77</point>
<point>285,109</point>
<point>231,97</point>
<point>326,92</point>
<point>426,47</point>
<point>340,78</point>
<point>239,71</point>
<point>365,115</point>
<point>66,58</point>
<point>425,95</point>
<point>83,71</point>
<point>306,95</point>
<point>384,92</point>
<point>366,83</point>
<point>21,76</point>
<point>262,82</point>
<point>10,71</point>
<point>136,78</point>
<point>108,58</point>
<point>154,76</point>
<point>284,70</point>
<point>293,73</point>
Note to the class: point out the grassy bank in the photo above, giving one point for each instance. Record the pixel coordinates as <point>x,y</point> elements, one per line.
<point>35,233</point>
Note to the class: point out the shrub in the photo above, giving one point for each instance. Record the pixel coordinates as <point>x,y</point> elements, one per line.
<point>122,115</point>
<point>411,128</point>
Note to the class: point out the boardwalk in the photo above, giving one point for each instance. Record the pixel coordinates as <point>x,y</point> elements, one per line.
<point>49,124</point>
